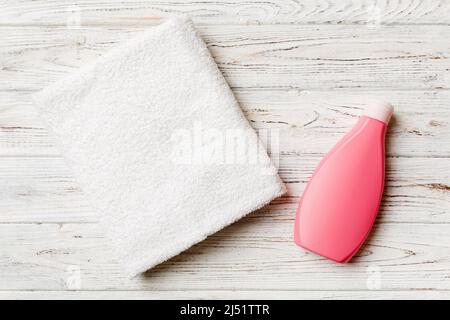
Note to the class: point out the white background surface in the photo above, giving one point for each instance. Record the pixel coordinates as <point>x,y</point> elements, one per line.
<point>305,68</point>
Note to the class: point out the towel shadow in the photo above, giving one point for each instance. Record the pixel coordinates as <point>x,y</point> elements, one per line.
<point>212,249</point>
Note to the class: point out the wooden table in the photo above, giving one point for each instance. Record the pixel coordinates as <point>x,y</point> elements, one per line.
<point>304,68</point>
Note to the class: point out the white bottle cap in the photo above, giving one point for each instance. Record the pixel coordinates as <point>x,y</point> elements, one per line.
<point>379,110</point>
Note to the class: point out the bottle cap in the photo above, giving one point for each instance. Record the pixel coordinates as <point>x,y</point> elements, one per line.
<point>379,110</point>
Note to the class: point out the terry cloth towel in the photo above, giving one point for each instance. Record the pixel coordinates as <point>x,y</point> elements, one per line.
<point>159,145</point>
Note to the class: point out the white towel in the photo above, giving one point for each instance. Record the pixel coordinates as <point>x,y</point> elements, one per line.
<point>153,135</point>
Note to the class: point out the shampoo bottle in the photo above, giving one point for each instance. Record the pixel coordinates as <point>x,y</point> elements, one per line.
<point>340,202</point>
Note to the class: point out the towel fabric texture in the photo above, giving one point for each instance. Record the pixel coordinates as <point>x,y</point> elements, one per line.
<point>159,145</point>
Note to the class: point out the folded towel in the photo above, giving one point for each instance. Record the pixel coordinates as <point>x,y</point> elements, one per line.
<point>157,141</point>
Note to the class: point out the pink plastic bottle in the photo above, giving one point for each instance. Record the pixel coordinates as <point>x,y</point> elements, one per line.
<point>340,202</point>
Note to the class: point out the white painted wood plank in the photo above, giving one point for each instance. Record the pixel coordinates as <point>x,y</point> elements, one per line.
<point>410,245</point>
<point>40,190</point>
<point>232,295</point>
<point>227,11</point>
<point>307,122</point>
<point>282,56</point>
<point>249,255</point>
<point>43,190</point>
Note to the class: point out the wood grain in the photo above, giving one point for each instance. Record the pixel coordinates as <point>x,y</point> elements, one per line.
<point>307,122</point>
<point>249,255</point>
<point>43,190</point>
<point>224,294</point>
<point>303,69</point>
<point>281,57</point>
<point>19,12</point>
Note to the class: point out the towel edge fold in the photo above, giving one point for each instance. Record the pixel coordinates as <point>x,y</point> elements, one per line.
<point>148,263</point>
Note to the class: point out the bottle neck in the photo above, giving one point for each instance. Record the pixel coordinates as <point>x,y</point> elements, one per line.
<point>380,111</point>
